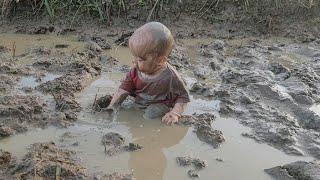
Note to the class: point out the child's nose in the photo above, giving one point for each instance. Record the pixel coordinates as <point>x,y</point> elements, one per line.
<point>134,62</point>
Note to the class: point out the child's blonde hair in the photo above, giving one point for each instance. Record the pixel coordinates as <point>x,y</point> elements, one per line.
<point>153,37</point>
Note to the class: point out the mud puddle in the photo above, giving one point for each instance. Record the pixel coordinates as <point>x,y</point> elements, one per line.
<point>161,144</point>
<point>244,157</point>
<point>32,82</point>
<point>23,42</point>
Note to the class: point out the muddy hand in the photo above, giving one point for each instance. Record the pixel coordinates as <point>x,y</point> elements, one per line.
<point>170,118</point>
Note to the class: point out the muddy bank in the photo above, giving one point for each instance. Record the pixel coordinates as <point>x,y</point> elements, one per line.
<point>45,160</point>
<point>266,84</point>
<point>19,112</point>
<point>268,87</point>
<point>296,170</point>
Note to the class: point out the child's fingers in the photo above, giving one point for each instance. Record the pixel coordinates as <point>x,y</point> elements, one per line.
<point>164,118</point>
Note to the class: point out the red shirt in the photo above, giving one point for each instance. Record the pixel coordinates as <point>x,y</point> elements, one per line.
<point>168,87</point>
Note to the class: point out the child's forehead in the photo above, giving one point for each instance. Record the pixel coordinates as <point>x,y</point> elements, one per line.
<point>142,45</point>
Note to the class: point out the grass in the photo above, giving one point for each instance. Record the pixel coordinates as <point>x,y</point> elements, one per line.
<point>105,9</point>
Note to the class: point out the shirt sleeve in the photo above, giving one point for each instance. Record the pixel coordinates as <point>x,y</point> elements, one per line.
<point>127,83</point>
<point>180,90</point>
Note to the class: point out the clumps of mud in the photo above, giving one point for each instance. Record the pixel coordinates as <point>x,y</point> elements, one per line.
<point>114,144</point>
<point>200,88</point>
<point>296,170</point>
<point>179,58</point>
<point>34,29</point>
<point>42,29</point>
<point>47,161</point>
<point>211,136</point>
<point>203,128</point>
<point>5,157</point>
<point>197,163</point>
<point>114,176</point>
<point>71,82</point>
<point>100,41</point>
<point>64,87</point>
<point>13,69</point>
<point>123,38</point>
<point>18,112</point>
<point>266,88</point>
<point>7,82</point>
<point>102,102</point>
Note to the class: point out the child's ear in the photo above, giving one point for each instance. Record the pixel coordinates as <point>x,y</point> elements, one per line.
<point>162,59</point>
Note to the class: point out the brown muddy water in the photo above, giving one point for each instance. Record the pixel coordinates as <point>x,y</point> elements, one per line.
<point>243,158</point>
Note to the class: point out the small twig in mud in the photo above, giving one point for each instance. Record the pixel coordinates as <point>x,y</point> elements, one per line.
<point>14,47</point>
<point>95,99</point>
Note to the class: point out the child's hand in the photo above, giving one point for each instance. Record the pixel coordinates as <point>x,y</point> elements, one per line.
<point>170,118</point>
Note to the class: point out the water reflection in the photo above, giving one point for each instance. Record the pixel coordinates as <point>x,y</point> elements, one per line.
<point>150,162</point>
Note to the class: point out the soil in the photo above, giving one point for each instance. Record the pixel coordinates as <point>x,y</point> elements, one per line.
<point>114,144</point>
<point>17,112</point>
<point>114,176</point>
<point>196,162</point>
<point>266,82</point>
<point>102,102</point>
<point>46,161</point>
<point>296,170</point>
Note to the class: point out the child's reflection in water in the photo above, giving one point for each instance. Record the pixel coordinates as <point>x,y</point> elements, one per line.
<point>154,136</point>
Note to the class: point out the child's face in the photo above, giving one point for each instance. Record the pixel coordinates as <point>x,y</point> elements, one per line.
<point>147,63</point>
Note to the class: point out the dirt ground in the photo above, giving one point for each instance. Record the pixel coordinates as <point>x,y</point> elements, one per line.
<point>268,82</point>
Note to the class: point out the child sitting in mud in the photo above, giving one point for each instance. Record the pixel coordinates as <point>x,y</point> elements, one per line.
<point>156,86</point>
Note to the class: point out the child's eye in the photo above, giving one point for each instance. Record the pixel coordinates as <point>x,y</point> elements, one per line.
<point>141,59</point>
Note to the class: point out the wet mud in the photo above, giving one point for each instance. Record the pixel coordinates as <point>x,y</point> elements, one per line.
<point>46,161</point>
<point>114,144</point>
<point>197,163</point>
<point>269,85</point>
<point>296,170</point>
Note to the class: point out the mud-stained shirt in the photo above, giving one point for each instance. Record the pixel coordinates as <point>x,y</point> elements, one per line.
<point>167,88</point>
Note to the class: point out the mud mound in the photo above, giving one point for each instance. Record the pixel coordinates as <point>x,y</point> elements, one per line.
<point>209,135</point>
<point>112,139</point>
<point>196,162</point>
<point>67,84</point>
<point>115,176</point>
<point>114,144</point>
<point>179,58</point>
<point>7,82</point>
<point>201,89</point>
<point>12,68</point>
<point>18,111</point>
<point>203,128</point>
<point>102,102</point>
<point>123,38</point>
<point>64,87</point>
<point>296,170</point>
<point>5,157</point>
<point>268,91</point>
<point>46,161</point>
<point>102,42</point>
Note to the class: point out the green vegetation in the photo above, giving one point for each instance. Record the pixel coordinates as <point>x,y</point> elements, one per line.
<point>105,9</point>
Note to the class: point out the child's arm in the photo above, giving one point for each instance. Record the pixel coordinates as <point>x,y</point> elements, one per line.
<point>173,116</point>
<point>118,98</point>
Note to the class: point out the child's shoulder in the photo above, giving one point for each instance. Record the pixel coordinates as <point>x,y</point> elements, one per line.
<point>173,71</point>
